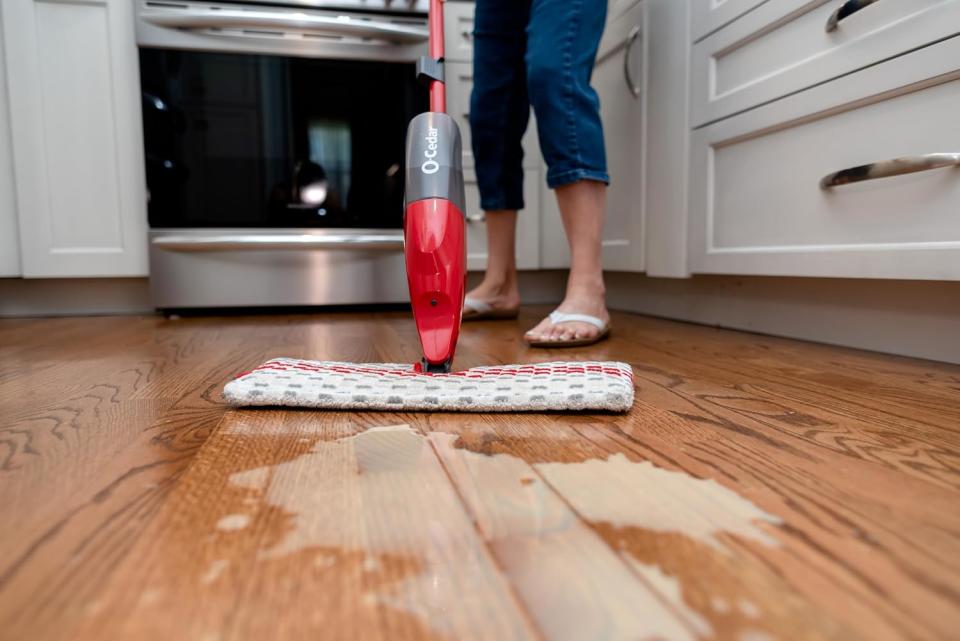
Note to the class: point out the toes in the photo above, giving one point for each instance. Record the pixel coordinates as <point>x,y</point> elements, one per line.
<point>585,331</point>
<point>539,333</point>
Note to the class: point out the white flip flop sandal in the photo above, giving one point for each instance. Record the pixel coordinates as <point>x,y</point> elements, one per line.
<point>474,309</point>
<point>558,317</point>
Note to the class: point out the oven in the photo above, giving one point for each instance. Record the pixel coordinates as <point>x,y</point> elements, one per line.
<point>274,145</point>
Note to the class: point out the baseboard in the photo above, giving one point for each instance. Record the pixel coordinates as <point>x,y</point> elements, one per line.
<point>908,318</point>
<point>25,297</point>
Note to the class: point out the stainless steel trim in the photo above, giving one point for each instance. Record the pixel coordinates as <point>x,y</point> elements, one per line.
<point>399,7</point>
<point>476,218</point>
<point>627,75</point>
<point>320,271</point>
<point>297,20</point>
<point>887,168</point>
<point>226,242</point>
<point>846,10</point>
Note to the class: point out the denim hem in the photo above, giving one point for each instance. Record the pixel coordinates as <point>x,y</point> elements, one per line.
<point>570,176</point>
<point>501,205</point>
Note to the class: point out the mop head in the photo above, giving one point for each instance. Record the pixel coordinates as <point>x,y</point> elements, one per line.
<point>585,385</point>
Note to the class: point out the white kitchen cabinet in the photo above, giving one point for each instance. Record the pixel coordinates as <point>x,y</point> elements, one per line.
<point>9,234</point>
<point>757,206</point>
<point>74,97</point>
<point>619,79</point>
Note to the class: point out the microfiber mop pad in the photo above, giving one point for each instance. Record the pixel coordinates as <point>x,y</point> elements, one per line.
<point>584,385</point>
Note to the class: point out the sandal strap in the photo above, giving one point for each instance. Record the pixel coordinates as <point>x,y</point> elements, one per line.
<point>477,306</point>
<point>557,317</point>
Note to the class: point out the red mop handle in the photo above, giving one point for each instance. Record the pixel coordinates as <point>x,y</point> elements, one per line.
<point>438,92</point>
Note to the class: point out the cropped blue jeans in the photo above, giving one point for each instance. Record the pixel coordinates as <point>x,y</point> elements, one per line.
<point>539,53</point>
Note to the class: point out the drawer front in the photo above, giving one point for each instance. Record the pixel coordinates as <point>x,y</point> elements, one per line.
<point>459,85</point>
<point>757,206</point>
<point>458,31</point>
<point>706,16</point>
<point>783,47</point>
<point>528,224</point>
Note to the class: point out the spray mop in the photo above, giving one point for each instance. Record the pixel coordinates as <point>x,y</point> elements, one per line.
<point>435,255</point>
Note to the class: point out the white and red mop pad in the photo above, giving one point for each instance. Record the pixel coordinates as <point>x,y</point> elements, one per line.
<point>583,385</point>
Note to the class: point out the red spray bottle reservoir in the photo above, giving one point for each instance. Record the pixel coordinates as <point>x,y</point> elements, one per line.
<point>435,251</point>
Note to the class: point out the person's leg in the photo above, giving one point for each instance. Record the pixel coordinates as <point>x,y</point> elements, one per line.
<point>499,111</point>
<point>562,41</point>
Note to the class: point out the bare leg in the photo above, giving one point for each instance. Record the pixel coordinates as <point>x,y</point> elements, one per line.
<point>582,206</point>
<point>499,286</point>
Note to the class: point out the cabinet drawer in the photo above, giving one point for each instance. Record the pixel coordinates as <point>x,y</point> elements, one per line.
<point>706,16</point>
<point>528,224</point>
<point>459,85</point>
<point>757,206</point>
<point>783,47</point>
<point>458,31</point>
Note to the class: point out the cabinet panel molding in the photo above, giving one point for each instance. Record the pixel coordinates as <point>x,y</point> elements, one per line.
<point>9,232</point>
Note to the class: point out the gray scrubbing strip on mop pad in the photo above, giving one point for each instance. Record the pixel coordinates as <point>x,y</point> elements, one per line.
<point>576,385</point>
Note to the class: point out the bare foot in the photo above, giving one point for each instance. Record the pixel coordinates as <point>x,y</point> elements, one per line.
<point>500,294</point>
<point>581,301</point>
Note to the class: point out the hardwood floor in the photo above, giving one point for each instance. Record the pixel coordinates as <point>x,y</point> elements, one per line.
<point>760,489</point>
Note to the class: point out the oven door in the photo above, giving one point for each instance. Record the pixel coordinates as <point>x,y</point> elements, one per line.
<point>264,123</point>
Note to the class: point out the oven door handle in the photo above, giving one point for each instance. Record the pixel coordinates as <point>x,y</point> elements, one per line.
<point>233,242</point>
<point>274,20</point>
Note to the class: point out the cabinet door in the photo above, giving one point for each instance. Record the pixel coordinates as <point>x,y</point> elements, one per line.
<point>77,140</point>
<point>619,78</point>
<point>9,237</point>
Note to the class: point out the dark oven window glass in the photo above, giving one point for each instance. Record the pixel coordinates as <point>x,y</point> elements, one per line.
<point>239,140</point>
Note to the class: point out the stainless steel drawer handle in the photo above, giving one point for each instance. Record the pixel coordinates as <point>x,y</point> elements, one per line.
<point>476,218</point>
<point>886,168</point>
<point>228,242</point>
<point>295,20</point>
<point>627,74</point>
<point>847,9</point>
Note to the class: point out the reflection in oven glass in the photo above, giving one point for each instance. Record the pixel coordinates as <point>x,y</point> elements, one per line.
<point>244,140</point>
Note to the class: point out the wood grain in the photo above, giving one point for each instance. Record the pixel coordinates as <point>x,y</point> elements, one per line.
<point>760,489</point>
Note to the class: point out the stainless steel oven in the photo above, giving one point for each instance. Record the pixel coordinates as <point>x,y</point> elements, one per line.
<point>274,135</point>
